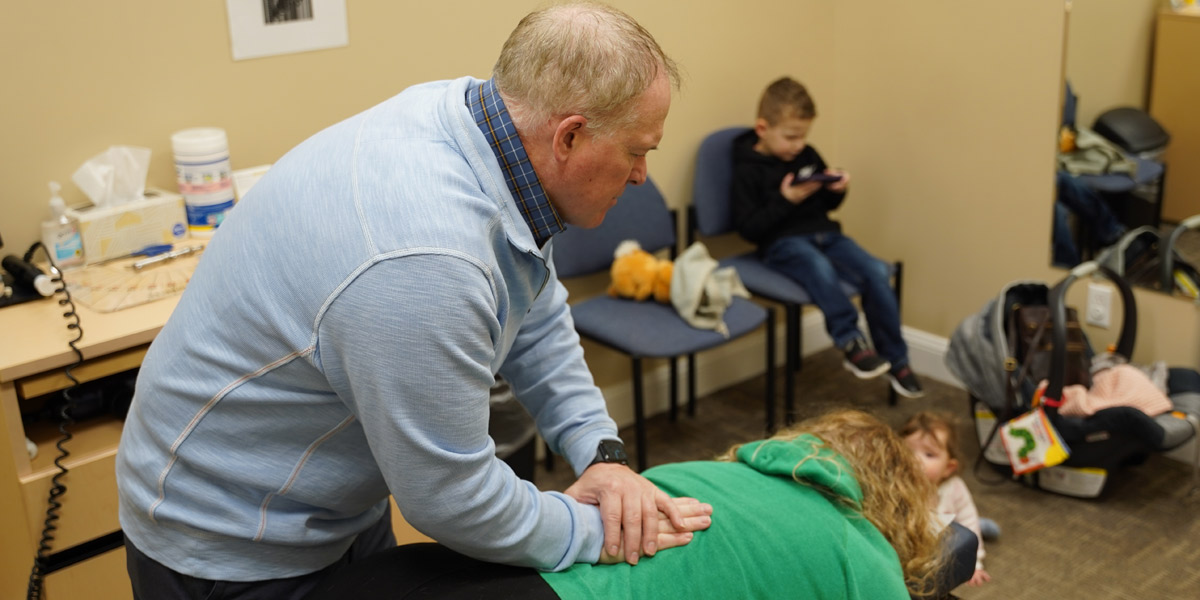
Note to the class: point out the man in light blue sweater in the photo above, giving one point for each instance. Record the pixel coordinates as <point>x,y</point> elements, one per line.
<point>339,338</point>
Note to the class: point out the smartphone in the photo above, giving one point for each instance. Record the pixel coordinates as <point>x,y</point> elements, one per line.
<point>822,177</point>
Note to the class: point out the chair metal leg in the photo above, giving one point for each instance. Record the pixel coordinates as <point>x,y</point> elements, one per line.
<point>795,335</point>
<point>1158,197</point>
<point>897,287</point>
<point>791,361</point>
<point>674,388</point>
<point>548,460</point>
<point>639,414</point>
<point>691,384</point>
<point>770,393</point>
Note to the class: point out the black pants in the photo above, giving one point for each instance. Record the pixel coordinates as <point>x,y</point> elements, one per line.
<point>430,571</point>
<point>153,581</point>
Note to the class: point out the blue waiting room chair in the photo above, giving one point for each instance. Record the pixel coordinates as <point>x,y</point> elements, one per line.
<point>649,329</point>
<point>711,215</point>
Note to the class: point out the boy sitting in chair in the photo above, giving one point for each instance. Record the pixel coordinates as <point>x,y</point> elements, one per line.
<point>782,194</point>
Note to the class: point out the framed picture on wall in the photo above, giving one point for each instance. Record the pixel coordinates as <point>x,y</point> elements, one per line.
<point>260,28</point>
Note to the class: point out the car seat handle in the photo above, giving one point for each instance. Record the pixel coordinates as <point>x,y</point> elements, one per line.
<point>1058,310</point>
<point>1167,252</point>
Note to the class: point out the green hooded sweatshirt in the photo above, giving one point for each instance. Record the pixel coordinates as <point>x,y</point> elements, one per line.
<point>771,536</point>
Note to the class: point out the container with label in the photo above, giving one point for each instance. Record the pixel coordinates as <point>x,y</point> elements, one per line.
<point>204,176</point>
<point>60,234</point>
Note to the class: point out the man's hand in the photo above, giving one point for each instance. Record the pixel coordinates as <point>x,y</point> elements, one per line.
<point>668,536</point>
<point>624,497</point>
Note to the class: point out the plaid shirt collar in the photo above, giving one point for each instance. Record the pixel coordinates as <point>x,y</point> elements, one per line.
<point>494,121</point>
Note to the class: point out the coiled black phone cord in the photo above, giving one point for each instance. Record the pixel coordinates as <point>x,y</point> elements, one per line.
<point>57,489</point>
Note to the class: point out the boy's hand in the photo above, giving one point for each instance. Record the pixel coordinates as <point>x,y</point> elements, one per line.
<point>839,185</point>
<point>797,193</point>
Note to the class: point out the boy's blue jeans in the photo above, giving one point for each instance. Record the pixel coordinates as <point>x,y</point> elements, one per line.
<point>817,261</point>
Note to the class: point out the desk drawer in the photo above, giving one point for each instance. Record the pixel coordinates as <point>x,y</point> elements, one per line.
<point>91,369</point>
<point>89,506</point>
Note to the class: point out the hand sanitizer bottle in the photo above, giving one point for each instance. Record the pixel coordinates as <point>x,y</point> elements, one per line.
<point>60,234</point>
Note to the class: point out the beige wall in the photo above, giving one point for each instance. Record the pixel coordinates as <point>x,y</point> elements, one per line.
<point>944,113</point>
<point>1109,50</point>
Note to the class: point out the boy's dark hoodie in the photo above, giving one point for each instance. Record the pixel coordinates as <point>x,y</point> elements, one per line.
<point>760,213</point>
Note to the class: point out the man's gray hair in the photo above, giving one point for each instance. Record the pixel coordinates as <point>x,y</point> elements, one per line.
<point>581,58</point>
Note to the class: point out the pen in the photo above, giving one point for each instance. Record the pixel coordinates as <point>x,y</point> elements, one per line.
<point>169,256</point>
<point>153,250</point>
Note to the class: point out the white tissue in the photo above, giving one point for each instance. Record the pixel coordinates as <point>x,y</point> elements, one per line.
<point>115,176</point>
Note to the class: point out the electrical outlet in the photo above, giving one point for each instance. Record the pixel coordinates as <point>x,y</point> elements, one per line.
<point>1099,305</point>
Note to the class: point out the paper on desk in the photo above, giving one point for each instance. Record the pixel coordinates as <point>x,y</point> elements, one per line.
<point>115,176</point>
<point>116,285</point>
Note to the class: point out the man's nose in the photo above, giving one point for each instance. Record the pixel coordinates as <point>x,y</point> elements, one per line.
<point>637,176</point>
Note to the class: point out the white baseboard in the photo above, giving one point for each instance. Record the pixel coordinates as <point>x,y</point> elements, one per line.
<point>744,359</point>
<point>927,355</point>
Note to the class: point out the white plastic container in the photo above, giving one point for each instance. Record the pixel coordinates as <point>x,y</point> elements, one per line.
<point>204,176</point>
<point>60,234</point>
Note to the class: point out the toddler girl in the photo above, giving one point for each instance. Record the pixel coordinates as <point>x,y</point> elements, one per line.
<point>932,436</point>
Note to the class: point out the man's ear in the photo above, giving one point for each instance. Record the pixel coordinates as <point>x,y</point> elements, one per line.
<point>568,135</point>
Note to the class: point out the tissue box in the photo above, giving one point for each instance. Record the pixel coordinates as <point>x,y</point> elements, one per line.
<point>113,231</point>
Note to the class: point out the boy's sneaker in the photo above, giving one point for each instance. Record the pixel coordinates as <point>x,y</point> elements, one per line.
<point>904,381</point>
<point>862,360</point>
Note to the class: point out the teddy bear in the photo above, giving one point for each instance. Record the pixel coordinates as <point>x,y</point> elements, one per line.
<point>637,274</point>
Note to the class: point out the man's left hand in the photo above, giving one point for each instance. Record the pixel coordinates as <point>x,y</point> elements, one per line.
<point>630,504</point>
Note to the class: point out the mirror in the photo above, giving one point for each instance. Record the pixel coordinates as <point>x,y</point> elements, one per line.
<point>1116,199</point>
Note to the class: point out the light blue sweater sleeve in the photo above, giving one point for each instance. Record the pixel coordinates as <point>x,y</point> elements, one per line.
<point>417,375</point>
<point>549,376</point>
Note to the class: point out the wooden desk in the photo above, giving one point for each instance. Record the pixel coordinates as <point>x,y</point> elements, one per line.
<point>33,353</point>
<point>1174,91</point>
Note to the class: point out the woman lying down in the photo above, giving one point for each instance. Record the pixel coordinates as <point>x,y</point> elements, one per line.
<point>834,507</point>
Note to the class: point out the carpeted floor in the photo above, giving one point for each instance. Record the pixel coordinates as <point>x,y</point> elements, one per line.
<point>1139,541</point>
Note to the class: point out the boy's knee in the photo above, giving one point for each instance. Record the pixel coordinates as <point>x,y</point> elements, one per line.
<point>880,272</point>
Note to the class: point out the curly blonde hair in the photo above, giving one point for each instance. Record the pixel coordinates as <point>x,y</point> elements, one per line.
<point>897,498</point>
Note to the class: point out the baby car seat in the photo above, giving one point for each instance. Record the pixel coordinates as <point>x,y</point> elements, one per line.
<point>979,355</point>
<point>1112,437</point>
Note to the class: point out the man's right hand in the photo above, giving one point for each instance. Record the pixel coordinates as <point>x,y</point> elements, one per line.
<point>696,517</point>
<point>624,498</point>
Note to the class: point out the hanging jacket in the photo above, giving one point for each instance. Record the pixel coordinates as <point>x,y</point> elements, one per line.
<point>700,291</point>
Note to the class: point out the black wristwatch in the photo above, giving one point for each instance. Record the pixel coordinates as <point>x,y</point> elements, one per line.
<point>610,451</point>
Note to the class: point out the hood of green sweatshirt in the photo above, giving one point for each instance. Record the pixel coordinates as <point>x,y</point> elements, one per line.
<point>805,458</point>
